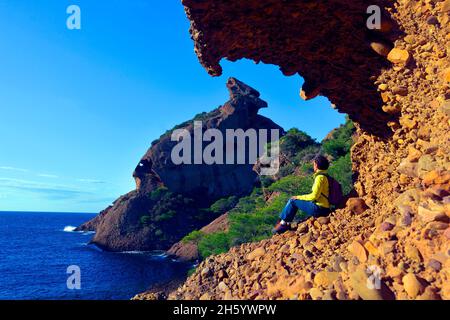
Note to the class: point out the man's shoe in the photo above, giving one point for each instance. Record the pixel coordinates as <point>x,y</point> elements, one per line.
<point>280,228</point>
<point>277,225</point>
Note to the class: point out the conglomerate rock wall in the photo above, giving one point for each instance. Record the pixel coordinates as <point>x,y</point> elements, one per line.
<point>395,84</point>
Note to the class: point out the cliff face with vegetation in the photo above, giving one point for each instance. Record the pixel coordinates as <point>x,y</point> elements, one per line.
<point>394,83</point>
<point>172,200</point>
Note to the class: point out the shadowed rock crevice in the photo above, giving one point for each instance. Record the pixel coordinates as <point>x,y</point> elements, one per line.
<point>326,42</point>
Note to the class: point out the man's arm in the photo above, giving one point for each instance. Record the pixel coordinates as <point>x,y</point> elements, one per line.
<point>315,194</point>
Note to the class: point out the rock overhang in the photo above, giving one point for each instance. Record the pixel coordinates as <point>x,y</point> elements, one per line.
<point>325,42</point>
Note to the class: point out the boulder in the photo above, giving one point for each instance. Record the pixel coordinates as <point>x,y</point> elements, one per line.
<point>412,253</point>
<point>325,278</point>
<point>408,168</point>
<point>399,56</point>
<point>432,211</point>
<point>358,250</point>
<point>412,285</point>
<point>381,48</point>
<point>356,205</point>
<point>259,252</point>
<point>426,164</point>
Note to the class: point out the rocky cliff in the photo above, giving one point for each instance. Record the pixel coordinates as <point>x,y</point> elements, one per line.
<point>170,199</point>
<point>394,82</point>
<point>210,182</point>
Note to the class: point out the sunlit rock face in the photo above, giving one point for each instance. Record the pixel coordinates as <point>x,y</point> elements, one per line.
<point>395,83</point>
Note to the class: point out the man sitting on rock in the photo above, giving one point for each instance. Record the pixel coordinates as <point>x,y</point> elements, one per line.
<point>315,204</point>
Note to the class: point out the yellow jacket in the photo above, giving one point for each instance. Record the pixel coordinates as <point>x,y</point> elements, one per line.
<point>320,190</point>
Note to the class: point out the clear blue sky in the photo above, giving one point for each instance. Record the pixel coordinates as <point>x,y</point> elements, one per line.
<point>78,108</point>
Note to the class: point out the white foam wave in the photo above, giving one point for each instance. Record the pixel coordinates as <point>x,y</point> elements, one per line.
<point>133,252</point>
<point>153,254</point>
<point>70,229</point>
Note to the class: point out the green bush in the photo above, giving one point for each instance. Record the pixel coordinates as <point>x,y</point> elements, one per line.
<point>287,170</point>
<point>165,216</point>
<point>336,148</point>
<point>341,142</point>
<point>250,227</point>
<point>266,181</point>
<point>305,155</point>
<point>307,168</point>
<point>191,271</point>
<point>159,193</point>
<point>294,185</point>
<point>246,205</point>
<point>341,170</point>
<point>294,141</point>
<point>145,220</point>
<point>195,236</point>
<point>213,244</point>
<point>166,204</point>
<point>252,219</point>
<point>223,205</point>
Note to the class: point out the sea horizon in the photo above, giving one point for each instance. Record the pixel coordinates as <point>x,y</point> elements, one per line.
<point>57,212</point>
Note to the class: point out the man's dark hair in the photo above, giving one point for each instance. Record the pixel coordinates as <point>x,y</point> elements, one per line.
<point>321,162</point>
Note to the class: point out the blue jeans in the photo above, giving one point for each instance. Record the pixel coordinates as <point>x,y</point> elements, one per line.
<point>310,209</point>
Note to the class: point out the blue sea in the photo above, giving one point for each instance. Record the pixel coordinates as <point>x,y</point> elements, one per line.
<point>37,248</point>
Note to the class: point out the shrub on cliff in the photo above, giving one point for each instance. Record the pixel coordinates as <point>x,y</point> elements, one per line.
<point>292,184</point>
<point>159,194</point>
<point>250,203</point>
<point>223,205</point>
<point>306,168</point>
<point>341,141</point>
<point>338,146</point>
<point>146,220</point>
<point>168,212</point>
<point>305,155</point>
<point>166,204</point>
<point>214,243</point>
<point>195,237</point>
<point>341,170</point>
<point>255,226</point>
<point>294,141</point>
